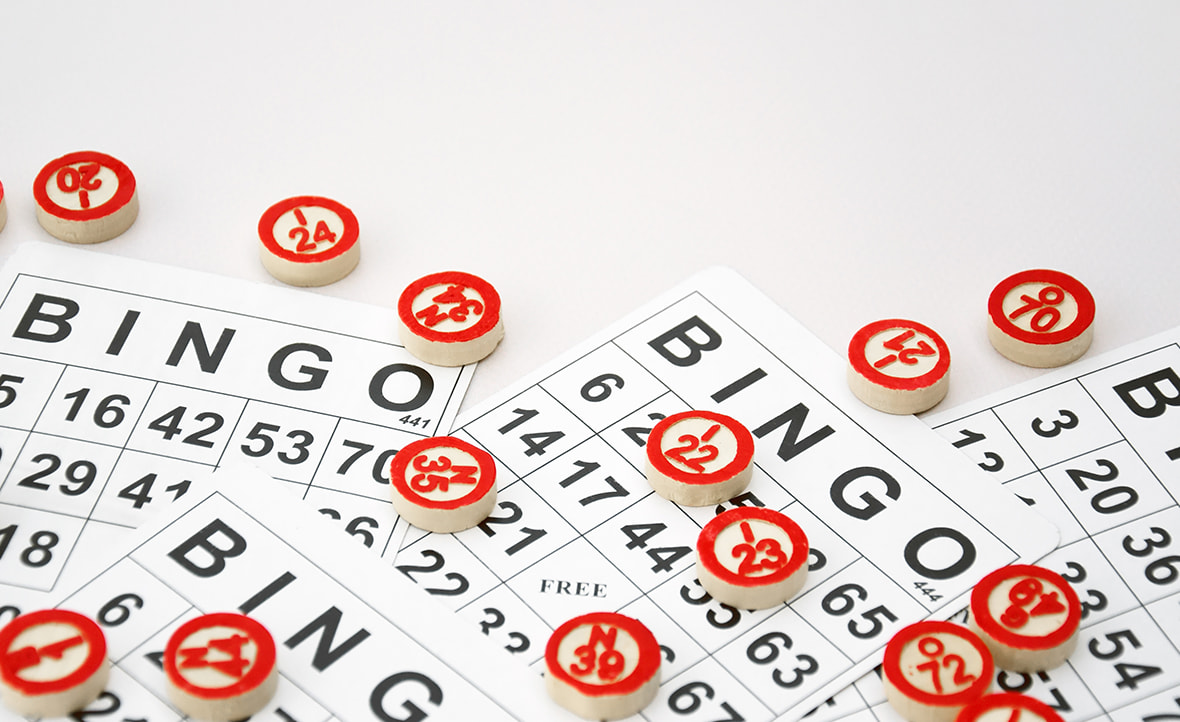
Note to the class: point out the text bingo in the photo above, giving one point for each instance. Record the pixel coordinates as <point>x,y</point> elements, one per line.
<point>354,639</point>
<point>1096,448</point>
<point>122,384</point>
<point>577,527</point>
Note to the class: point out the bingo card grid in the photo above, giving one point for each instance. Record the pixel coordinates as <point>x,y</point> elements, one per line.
<point>577,521</point>
<point>150,387</point>
<point>355,641</point>
<point>1105,467</point>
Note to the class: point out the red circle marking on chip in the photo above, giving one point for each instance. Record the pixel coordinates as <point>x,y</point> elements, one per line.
<point>1042,307</point>
<point>219,657</point>
<point>1028,615</point>
<point>700,449</point>
<point>309,241</point>
<point>443,483</point>
<point>748,550</point>
<point>936,664</point>
<point>51,651</point>
<point>449,306</point>
<point>85,197</point>
<point>308,229</point>
<point>83,186</point>
<point>450,318</point>
<point>602,665</point>
<point>3,208</point>
<point>899,354</point>
<point>1008,707</point>
<point>898,366</point>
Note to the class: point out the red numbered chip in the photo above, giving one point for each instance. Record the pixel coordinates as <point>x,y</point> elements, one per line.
<point>309,241</point>
<point>86,197</point>
<point>698,458</point>
<point>3,208</point>
<point>602,665</point>
<point>752,558</point>
<point>1041,318</point>
<point>1027,615</point>
<point>450,318</point>
<point>52,662</point>
<point>443,484</point>
<point>898,366</point>
<point>221,667</point>
<point>1008,707</point>
<point>933,669</point>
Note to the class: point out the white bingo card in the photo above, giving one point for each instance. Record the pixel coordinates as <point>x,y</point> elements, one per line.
<point>1095,447</point>
<point>354,639</point>
<point>578,529</point>
<point>123,383</point>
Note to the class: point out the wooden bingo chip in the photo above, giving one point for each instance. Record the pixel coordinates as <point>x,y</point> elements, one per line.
<point>602,666</point>
<point>450,318</point>
<point>86,197</point>
<point>698,458</point>
<point>52,662</point>
<point>1027,615</point>
<point>3,208</point>
<point>898,366</point>
<point>309,241</point>
<point>1008,707</point>
<point>752,558</point>
<point>933,669</point>
<point>1041,318</point>
<point>221,667</point>
<point>443,484</point>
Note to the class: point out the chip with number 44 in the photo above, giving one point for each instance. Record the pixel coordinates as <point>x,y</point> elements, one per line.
<point>602,666</point>
<point>443,484</point>
<point>52,662</point>
<point>698,458</point>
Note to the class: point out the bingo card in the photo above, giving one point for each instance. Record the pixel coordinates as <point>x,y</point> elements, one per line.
<point>577,528</point>
<point>1095,447</point>
<point>354,639</point>
<point>122,384</point>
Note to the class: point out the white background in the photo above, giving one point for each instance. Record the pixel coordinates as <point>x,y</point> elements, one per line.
<point>854,160</point>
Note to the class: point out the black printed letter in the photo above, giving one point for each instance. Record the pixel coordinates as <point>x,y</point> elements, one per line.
<point>691,346</point>
<point>425,387</point>
<point>872,505</point>
<point>313,376</point>
<point>1151,384</point>
<point>35,313</point>
<point>377,699</point>
<point>195,335</point>
<point>216,555</point>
